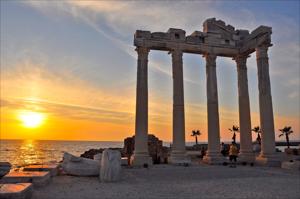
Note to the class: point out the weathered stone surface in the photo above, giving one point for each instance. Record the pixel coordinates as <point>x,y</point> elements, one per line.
<point>157,151</point>
<point>4,168</point>
<point>37,178</point>
<point>110,166</point>
<point>16,191</point>
<point>98,157</point>
<point>294,165</point>
<point>141,117</point>
<point>217,39</point>
<point>80,166</point>
<point>91,153</point>
<point>52,168</point>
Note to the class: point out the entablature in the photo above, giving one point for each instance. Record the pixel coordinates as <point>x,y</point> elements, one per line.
<point>217,38</point>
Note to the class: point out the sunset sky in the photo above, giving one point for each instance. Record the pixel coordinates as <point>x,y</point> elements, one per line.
<point>74,63</point>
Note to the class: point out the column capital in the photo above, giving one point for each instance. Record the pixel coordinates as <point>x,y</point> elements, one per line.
<point>262,51</point>
<point>241,61</point>
<point>210,59</point>
<point>141,50</point>
<point>177,52</point>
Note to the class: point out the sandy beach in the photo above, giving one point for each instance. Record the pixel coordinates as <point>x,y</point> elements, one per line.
<point>167,181</point>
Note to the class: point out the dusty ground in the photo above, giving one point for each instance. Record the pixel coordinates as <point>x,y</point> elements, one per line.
<point>166,181</point>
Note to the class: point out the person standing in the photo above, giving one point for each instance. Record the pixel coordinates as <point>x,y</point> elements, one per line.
<point>233,153</point>
<point>223,151</point>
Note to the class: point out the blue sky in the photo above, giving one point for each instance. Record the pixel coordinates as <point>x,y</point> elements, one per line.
<point>86,43</point>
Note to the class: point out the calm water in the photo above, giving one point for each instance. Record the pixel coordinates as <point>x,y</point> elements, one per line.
<point>23,152</point>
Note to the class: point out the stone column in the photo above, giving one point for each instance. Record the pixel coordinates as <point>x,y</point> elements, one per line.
<point>265,107</point>
<point>213,155</point>
<point>246,151</point>
<point>141,154</point>
<point>178,154</point>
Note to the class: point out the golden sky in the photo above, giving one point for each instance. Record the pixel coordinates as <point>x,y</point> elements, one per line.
<point>74,63</point>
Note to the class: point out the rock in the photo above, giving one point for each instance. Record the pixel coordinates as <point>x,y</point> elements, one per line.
<point>157,151</point>
<point>4,168</point>
<point>110,166</point>
<point>98,157</point>
<point>80,166</point>
<point>92,152</point>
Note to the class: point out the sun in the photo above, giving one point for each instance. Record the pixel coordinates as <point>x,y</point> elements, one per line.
<point>31,119</point>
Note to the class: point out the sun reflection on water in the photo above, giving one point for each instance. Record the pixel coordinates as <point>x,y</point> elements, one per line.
<point>28,153</point>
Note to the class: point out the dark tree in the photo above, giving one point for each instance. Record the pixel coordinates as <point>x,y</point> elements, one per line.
<point>258,131</point>
<point>196,133</point>
<point>286,131</point>
<point>234,129</point>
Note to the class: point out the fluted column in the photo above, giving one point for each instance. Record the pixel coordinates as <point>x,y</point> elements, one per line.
<point>141,154</point>
<point>178,153</point>
<point>265,105</point>
<point>213,155</point>
<point>246,151</point>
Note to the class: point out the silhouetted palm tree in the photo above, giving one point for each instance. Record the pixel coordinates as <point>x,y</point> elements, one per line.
<point>234,129</point>
<point>257,130</point>
<point>286,131</point>
<point>196,133</point>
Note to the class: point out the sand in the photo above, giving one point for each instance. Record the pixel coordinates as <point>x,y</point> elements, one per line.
<point>167,181</point>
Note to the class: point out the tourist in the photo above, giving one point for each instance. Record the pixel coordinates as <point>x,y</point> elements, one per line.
<point>202,152</point>
<point>223,151</point>
<point>233,153</point>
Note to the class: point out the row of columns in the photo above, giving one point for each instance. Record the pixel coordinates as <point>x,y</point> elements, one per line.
<point>178,154</point>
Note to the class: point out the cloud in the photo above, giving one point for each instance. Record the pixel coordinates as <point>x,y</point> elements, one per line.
<point>118,21</point>
<point>76,112</point>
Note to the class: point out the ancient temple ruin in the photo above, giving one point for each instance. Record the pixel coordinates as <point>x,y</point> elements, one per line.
<point>217,39</point>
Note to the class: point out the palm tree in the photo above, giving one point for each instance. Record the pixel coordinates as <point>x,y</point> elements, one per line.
<point>257,130</point>
<point>286,131</point>
<point>234,129</point>
<point>195,133</point>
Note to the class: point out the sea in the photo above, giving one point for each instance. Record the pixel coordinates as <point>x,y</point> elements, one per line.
<point>25,152</point>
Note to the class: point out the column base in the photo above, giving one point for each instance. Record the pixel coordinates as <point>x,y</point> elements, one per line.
<point>247,156</point>
<point>272,160</point>
<point>179,158</point>
<point>213,158</point>
<point>140,159</point>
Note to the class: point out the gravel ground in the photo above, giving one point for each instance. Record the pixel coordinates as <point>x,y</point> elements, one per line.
<point>167,181</point>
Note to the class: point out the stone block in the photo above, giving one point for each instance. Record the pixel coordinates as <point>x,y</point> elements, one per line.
<point>79,166</point>
<point>294,165</point>
<point>52,168</point>
<point>4,168</point>
<point>110,166</point>
<point>37,178</point>
<point>268,160</point>
<point>16,191</point>
<point>98,157</point>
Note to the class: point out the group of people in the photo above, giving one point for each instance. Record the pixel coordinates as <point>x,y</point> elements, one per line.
<point>232,153</point>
